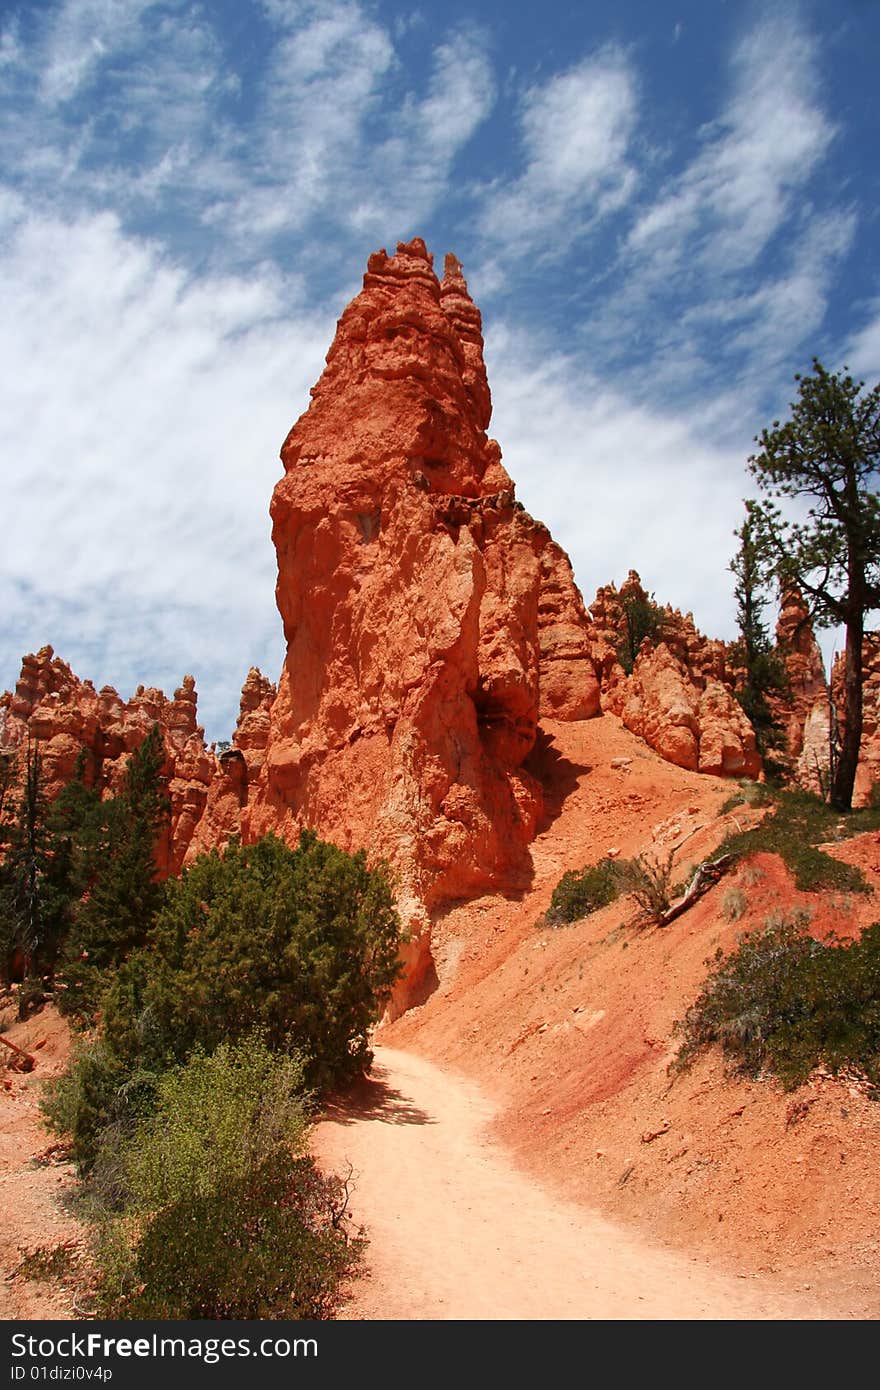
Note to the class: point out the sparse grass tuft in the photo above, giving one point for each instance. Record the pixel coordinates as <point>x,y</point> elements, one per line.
<point>749,794</point>
<point>734,904</point>
<point>649,879</point>
<point>751,875</point>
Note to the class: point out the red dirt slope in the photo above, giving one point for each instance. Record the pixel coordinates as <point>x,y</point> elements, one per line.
<point>571,1031</point>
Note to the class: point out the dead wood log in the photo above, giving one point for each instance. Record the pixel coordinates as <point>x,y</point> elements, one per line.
<point>707,875</point>
<point>21,1060</point>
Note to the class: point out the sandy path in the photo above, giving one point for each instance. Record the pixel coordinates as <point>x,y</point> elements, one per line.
<point>456,1231</point>
<point>30,1212</point>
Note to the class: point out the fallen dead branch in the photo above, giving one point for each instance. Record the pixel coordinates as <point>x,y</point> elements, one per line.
<point>20,1060</point>
<point>706,876</point>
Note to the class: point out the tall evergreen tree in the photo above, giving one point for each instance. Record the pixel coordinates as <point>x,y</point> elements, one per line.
<point>32,907</point>
<point>123,895</point>
<point>642,618</point>
<point>78,830</point>
<point>7,776</point>
<point>754,652</point>
<point>828,454</point>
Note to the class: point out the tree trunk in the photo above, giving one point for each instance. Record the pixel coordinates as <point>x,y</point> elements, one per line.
<point>845,772</point>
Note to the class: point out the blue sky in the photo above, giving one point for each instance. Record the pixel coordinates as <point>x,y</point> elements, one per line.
<point>664,211</point>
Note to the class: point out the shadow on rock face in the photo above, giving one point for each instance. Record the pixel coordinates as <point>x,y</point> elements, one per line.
<point>557,775</point>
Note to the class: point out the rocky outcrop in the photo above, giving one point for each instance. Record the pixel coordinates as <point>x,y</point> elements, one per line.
<point>430,622</point>
<point>428,618</point>
<point>67,717</point>
<point>569,681</point>
<point>238,768</point>
<point>696,725</point>
<point>801,709</point>
<point>679,694</point>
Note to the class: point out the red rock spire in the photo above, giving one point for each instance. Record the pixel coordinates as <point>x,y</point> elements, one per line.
<point>468,323</point>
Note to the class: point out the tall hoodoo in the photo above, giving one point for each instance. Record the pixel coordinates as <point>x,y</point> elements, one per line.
<point>409,582</point>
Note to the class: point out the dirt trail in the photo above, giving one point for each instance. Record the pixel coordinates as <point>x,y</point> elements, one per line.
<point>30,1212</point>
<point>457,1231</point>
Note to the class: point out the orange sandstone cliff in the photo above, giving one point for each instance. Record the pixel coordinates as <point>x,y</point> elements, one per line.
<point>679,695</point>
<point>428,618</point>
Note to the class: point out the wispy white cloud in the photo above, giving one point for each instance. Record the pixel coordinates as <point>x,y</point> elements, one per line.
<point>79,36</point>
<point>461,93</point>
<point>738,191</point>
<point>730,268</point>
<point>761,328</point>
<point>576,131</point>
<point>142,414</point>
<point>406,174</point>
<point>140,107</point>
<point>790,309</point>
<point>600,469</point>
<point>112,105</point>
<point>334,150</point>
<point>862,354</point>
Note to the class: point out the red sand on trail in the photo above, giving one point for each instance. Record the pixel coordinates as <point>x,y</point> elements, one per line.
<point>571,1033</point>
<point>457,1231</point>
<point>30,1187</point>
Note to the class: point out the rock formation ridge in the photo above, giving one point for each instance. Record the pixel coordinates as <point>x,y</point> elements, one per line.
<point>430,624</point>
<point>64,715</point>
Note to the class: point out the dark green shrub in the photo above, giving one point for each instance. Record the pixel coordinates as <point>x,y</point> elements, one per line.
<point>785,1003</point>
<point>32,995</point>
<point>267,1245</point>
<point>301,944</point>
<point>98,1091</point>
<point>582,891</point>
<point>112,849</point>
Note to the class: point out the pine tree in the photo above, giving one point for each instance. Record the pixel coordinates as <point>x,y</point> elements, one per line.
<point>78,830</point>
<point>828,454</point>
<point>7,777</point>
<point>123,896</point>
<point>642,618</point>
<point>754,652</point>
<point>32,908</point>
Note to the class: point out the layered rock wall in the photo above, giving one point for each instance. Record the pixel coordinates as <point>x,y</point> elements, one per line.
<point>868,771</point>
<point>802,709</point>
